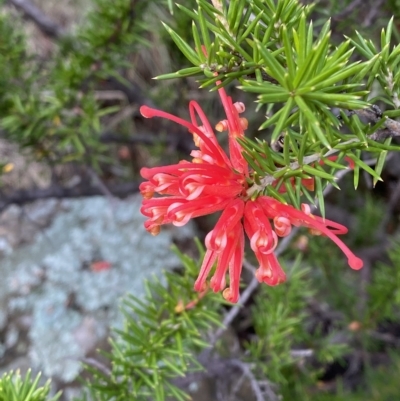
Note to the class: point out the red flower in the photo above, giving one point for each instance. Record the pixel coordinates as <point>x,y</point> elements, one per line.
<point>212,182</point>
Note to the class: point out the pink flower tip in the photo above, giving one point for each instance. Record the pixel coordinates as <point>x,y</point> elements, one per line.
<point>146,111</point>
<point>355,263</point>
<point>231,296</point>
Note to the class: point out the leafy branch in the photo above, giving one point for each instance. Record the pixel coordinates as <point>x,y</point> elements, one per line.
<point>161,336</point>
<point>301,79</point>
<point>15,388</point>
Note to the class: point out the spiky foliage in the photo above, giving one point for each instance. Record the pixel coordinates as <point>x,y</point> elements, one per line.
<point>159,340</point>
<point>50,106</point>
<point>13,387</point>
<point>305,84</point>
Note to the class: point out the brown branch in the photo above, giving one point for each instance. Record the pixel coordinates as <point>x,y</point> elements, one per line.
<point>100,184</point>
<point>346,11</point>
<point>224,374</point>
<point>234,311</point>
<point>373,12</point>
<point>51,29</point>
<point>178,140</point>
<point>144,138</point>
<point>24,196</point>
<point>254,383</point>
<point>385,337</point>
<point>42,21</point>
<point>382,134</point>
<point>131,90</point>
<point>97,365</point>
<point>374,115</point>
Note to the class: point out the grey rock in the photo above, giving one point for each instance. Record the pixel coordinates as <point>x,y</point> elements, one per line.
<point>54,279</point>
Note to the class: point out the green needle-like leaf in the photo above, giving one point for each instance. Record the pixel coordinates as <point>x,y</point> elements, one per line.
<point>333,164</point>
<point>311,60</point>
<point>197,42</point>
<point>293,193</point>
<point>253,164</point>
<point>274,68</point>
<point>337,100</point>
<point>187,51</point>
<point>267,165</point>
<point>314,172</point>
<point>314,123</point>
<point>271,191</point>
<point>283,116</point>
<point>272,120</point>
<point>186,72</point>
<point>381,161</point>
<point>300,40</point>
<point>320,195</point>
<point>250,29</point>
<point>362,165</point>
<point>287,43</point>
<point>358,130</point>
<point>337,77</point>
<point>205,33</point>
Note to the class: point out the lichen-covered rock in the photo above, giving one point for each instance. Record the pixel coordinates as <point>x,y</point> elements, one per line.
<point>72,275</point>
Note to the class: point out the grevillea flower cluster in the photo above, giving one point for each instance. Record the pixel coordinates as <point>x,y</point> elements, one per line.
<point>213,181</point>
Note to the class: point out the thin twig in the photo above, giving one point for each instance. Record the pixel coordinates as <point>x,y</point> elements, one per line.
<point>301,353</point>
<point>390,207</point>
<point>372,13</point>
<point>176,140</point>
<point>42,21</point>
<point>144,138</point>
<point>374,115</point>
<point>234,311</point>
<point>100,184</point>
<point>25,196</point>
<point>253,381</point>
<point>387,338</point>
<point>352,6</point>
<point>126,113</point>
<point>238,386</point>
<point>98,365</point>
